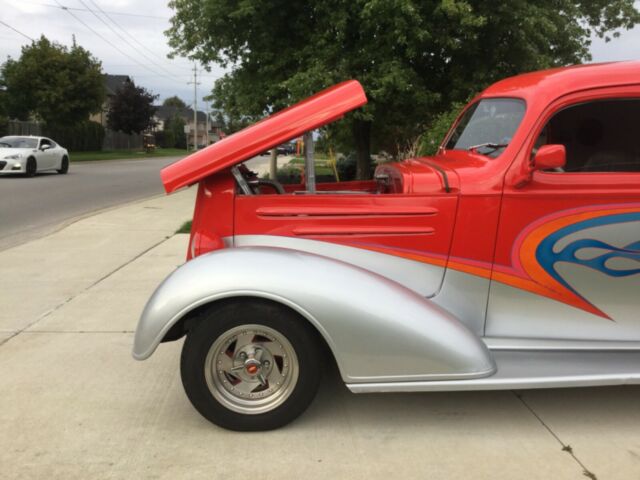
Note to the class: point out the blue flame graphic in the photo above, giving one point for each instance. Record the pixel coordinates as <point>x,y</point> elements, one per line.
<point>547,258</point>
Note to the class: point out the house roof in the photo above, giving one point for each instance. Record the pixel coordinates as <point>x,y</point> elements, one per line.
<point>164,112</point>
<point>311,113</point>
<point>114,82</point>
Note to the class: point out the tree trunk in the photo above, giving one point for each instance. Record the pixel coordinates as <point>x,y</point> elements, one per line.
<point>273,164</point>
<point>362,140</point>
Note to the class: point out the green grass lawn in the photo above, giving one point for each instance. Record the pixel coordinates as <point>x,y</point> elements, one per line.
<point>125,154</point>
<point>185,228</point>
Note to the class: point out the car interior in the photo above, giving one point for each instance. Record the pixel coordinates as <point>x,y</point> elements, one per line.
<point>599,136</point>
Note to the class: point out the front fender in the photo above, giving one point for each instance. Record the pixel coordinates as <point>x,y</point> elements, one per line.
<point>377,329</point>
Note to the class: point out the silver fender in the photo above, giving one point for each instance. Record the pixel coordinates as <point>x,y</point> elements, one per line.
<point>377,329</point>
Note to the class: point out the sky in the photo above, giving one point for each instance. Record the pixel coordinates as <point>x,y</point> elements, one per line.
<point>135,43</point>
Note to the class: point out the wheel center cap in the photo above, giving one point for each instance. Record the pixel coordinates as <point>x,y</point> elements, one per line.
<point>252,367</point>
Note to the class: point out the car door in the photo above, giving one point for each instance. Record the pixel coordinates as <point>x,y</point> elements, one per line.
<point>45,157</point>
<point>567,262</point>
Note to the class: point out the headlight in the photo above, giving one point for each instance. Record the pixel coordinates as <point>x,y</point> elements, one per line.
<point>17,156</point>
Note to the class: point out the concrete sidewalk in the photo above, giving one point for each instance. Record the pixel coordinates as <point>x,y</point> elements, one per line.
<point>75,405</point>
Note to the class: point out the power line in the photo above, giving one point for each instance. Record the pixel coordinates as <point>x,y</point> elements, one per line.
<point>17,31</point>
<point>123,30</point>
<point>108,42</point>
<point>129,44</point>
<point>64,7</point>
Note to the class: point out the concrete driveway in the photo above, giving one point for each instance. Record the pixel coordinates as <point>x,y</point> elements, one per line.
<point>75,405</point>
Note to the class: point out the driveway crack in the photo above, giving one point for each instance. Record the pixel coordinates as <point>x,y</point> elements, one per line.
<point>565,447</point>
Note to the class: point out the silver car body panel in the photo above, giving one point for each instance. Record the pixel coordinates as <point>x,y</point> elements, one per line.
<point>461,294</point>
<point>529,369</point>
<point>516,313</point>
<point>399,337</point>
<point>423,278</point>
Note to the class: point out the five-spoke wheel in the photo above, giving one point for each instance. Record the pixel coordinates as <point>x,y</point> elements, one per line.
<point>250,365</point>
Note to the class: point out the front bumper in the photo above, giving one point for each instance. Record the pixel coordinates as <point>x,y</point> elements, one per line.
<point>12,166</point>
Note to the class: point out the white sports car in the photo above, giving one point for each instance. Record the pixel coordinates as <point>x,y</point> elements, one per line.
<point>30,155</point>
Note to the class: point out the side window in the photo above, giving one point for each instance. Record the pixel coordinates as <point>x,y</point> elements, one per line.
<point>45,141</point>
<point>599,136</point>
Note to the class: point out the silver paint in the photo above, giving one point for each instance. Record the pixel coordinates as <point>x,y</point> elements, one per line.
<point>520,370</point>
<point>465,297</point>
<point>541,344</point>
<point>516,313</point>
<point>377,329</point>
<point>422,278</point>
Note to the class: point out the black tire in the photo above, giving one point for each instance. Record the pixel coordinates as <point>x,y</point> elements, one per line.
<point>64,166</point>
<point>32,167</point>
<point>216,324</point>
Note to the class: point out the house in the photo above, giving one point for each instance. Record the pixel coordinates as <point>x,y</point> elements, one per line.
<point>111,84</point>
<point>163,113</point>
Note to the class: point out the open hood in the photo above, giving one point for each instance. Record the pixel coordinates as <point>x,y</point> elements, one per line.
<point>311,113</point>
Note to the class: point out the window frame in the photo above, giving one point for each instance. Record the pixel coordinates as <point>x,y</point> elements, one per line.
<point>627,92</point>
<point>454,125</point>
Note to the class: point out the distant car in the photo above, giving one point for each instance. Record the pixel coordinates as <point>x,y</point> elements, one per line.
<point>286,149</point>
<point>30,155</point>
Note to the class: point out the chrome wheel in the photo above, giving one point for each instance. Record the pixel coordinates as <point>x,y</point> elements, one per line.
<point>251,369</point>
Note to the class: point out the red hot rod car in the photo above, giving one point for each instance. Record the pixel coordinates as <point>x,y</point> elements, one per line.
<point>511,259</point>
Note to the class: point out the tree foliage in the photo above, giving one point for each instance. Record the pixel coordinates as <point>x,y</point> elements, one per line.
<point>174,101</point>
<point>414,57</point>
<point>131,109</point>
<point>174,136</point>
<point>54,83</point>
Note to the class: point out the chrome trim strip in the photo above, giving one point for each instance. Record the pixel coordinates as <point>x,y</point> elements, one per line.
<point>545,344</point>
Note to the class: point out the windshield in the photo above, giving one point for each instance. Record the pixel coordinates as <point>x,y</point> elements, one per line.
<point>487,126</point>
<point>18,142</point>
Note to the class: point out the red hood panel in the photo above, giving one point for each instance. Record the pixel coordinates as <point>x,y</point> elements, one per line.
<point>311,113</point>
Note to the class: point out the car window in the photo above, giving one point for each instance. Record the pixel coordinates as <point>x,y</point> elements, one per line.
<point>489,124</point>
<point>599,136</point>
<point>19,142</point>
<point>45,141</point>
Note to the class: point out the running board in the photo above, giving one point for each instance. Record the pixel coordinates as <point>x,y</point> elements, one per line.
<point>528,369</point>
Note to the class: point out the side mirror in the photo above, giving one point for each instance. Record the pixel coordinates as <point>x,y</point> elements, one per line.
<point>550,157</point>
<point>45,147</point>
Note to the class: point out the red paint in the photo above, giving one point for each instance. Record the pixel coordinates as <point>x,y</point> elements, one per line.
<point>458,209</point>
<point>314,112</point>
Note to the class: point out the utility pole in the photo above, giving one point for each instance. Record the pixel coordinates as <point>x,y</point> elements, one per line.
<point>206,131</point>
<point>195,106</point>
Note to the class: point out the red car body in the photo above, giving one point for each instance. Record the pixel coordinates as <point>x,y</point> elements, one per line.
<point>510,259</point>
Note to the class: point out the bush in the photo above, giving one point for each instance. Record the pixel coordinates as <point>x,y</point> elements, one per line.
<point>346,167</point>
<point>86,136</point>
<point>436,132</point>
<point>4,126</point>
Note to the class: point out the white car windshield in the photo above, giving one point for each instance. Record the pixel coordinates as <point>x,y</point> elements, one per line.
<point>18,142</point>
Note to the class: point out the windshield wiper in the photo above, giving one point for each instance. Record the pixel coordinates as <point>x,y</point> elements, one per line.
<point>7,144</point>
<point>491,145</point>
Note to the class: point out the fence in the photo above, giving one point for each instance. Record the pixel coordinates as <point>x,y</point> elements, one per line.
<point>121,141</point>
<point>17,127</point>
<point>68,137</point>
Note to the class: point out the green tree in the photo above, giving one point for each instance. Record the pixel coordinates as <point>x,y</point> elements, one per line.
<point>54,83</point>
<point>414,57</point>
<point>174,101</point>
<point>131,109</point>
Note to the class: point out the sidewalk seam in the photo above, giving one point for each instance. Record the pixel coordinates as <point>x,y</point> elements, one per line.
<point>565,447</point>
<point>101,279</point>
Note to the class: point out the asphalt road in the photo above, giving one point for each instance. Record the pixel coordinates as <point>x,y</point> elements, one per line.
<point>32,207</point>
